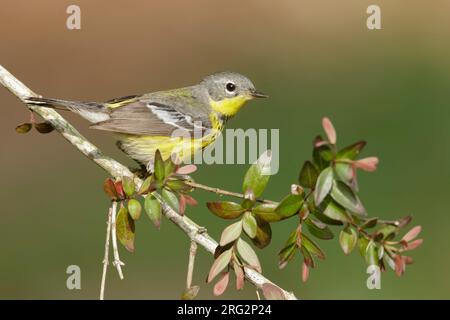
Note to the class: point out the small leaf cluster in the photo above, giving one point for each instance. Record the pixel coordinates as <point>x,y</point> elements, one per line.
<point>166,183</point>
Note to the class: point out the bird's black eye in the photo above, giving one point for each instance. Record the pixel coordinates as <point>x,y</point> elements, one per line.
<point>231,87</point>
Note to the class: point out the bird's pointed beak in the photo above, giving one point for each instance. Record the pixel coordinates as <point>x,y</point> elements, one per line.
<point>258,94</point>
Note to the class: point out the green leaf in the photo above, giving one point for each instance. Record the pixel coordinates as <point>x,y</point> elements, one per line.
<point>318,229</point>
<point>312,247</point>
<point>231,233</point>
<point>308,175</point>
<point>169,167</point>
<point>146,185</point>
<point>323,185</point>
<point>110,189</point>
<point>347,198</point>
<point>24,127</point>
<point>323,218</point>
<point>347,239</point>
<point>44,127</point>
<point>171,199</point>
<point>190,293</point>
<point>249,224</point>
<point>219,264</point>
<point>153,209</point>
<point>128,186</point>
<point>362,245</point>
<point>371,254</point>
<point>158,169</point>
<point>336,212</point>
<point>125,229</point>
<point>226,209</point>
<point>263,233</point>
<point>248,255</point>
<point>134,208</point>
<point>258,174</point>
<point>266,211</point>
<point>289,206</point>
<point>344,172</point>
<point>388,231</point>
<point>322,156</point>
<point>369,223</point>
<point>352,151</point>
<point>286,254</point>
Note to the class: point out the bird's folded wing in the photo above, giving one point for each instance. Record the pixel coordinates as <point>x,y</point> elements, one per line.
<point>151,118</point>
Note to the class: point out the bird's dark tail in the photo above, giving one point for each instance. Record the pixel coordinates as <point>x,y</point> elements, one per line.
<point>91,111</point>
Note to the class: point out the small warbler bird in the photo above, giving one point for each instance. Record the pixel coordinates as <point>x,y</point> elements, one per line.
<point>148,122</point>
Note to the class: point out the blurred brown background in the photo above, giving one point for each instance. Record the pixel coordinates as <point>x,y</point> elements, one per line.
<point>314,58</point>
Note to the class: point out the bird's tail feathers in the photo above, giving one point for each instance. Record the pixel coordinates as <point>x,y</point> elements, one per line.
<point>91,111</point>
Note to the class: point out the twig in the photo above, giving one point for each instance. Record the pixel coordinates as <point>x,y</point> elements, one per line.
<point>116,169</point>
<point>116,263</point>
<point>106,257</point>
<point>192,254</point>
<point>222,192</point>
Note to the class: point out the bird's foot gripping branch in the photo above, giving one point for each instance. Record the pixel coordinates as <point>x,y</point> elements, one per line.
<point>325,196</point>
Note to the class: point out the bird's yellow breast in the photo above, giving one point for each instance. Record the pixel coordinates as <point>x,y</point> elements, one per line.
<point>229,106</point>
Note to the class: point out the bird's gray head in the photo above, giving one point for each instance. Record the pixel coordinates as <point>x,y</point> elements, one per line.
<point>225,85</point>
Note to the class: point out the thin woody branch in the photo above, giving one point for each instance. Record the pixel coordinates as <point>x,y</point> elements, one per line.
<point>116,169</point>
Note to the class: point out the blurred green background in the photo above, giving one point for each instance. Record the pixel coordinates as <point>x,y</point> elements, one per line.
<point>314,58</point>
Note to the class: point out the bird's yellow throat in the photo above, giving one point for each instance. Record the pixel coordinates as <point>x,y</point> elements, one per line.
<point>229,106</point>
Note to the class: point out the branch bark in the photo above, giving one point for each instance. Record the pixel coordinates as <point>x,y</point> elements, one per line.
<point>116,169</point>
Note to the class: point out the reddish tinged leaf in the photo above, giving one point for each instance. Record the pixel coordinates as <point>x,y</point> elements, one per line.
<point>231,233</point>
<point>125,229</point>
<point>399,265</point>
<point>272,292</point>
<point>412,234</point>
<point>110,189</point>
<point>226,209</point>
<point>403,222</point>
<point>240,276</point>
<point>44,127</point>
<point>119,189</point>
<point>305,271</point>
<point>312,247</point>
<point>222,284</point>
<point>190,293</point>
<point>187,169</point>
<point>285,255</point>
<point>407,260</point>
<point>182,204</point>
<point>367,164</point>
<point>219,264</point>
<point>329,130</point>
<point>413,245</point>
<point>190,201</point>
